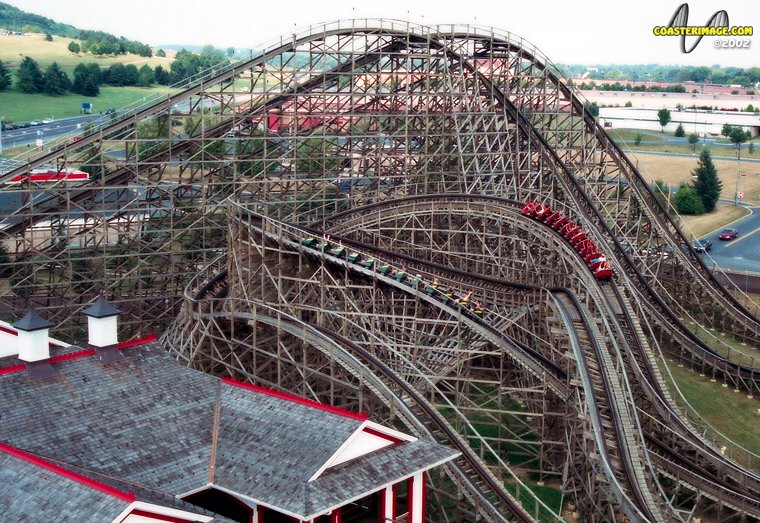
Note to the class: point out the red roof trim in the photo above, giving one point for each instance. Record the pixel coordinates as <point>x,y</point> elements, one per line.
<point>8,331</point>
<point>154,516</point>
<point>379,434</point>
<point>139,341</point>
<point>296,399</point>
<point>79,354</point>
<point>129,497</point>
<point>12,368</point>
<point>72,355</point>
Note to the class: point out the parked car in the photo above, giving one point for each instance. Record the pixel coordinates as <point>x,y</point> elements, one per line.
<point>728,234</point>
<point>702,245</point>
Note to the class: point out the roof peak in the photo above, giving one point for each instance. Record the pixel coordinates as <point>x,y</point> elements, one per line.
<point>101,309</point>
<point>32,321</point>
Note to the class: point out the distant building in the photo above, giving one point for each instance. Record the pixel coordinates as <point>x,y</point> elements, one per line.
<point>92,434</point>
<point>704,123</point>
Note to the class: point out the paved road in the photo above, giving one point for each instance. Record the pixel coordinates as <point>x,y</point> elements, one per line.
<point>743,253</point>
<point>47,132</point>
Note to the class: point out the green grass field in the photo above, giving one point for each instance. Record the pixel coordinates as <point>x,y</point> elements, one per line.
<point>19,107</point>
<point>732,413</point>
<point>14,48</point>
<point>629,135</point>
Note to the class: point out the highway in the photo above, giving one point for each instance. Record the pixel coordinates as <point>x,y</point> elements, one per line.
<point>741,254</point>
<point>49,131</point>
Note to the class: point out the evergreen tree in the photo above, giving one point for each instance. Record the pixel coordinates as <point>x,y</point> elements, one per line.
<point>146,76</point>
<point>161,53</point>
<point>74,47</point>
<point>131,75</point>
<point>161,75</point>
<point>95,73</point>
<point>707,185</point>
<point>680,133</point>
<point>29,77</point>
<point>5,77</point>
<point>90,87</point>
<point>115,75</point>
<point>56,81</point>
<point>87,78</point>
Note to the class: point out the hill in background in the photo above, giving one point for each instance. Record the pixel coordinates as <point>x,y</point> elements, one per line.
<point>14,19</point>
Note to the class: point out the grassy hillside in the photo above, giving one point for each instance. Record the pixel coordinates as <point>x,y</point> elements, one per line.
<point>17,107</point>
<point>14,19</point>
<point>14,48</point>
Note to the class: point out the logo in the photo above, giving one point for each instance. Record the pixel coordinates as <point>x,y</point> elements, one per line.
<point>716,25</point>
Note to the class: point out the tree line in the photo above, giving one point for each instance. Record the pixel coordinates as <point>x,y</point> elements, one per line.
<point>87,78</point>
<point>715,74</point>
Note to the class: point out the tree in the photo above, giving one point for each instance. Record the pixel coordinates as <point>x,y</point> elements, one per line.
<point>687,201</point>
<point>146,76</point>
<point>56,82</point>
<point>751,148</point>
<point>131,75</point>
<point>592,107</point>
<point>637,140</point>
<point>693,140</point>
<point>680,133</point>
<point>74,47</point>
<point>663,116</point>
<point>662,193</point>
<point>707,184</point>
<point>161,75</point>
<point>114,75</point>
<point>230,52</point>
<point>161,53</point>
<point>48,37</point>
<point>726,130</point>
<point>750,108</point>
<point>5,77</point>
<point>29,77</point>
<point>629,103</point>
<point>738,137</point>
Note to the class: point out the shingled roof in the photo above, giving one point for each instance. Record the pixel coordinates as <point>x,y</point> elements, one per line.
<point>41,490</point>
<point>152,422</point>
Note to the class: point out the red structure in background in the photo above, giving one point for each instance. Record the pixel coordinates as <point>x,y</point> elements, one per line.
<point>50,176</point>
<point>595,260</point>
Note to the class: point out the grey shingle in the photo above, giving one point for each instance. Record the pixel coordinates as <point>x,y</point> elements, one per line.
<point>31,493</point>
<point>148,421</point>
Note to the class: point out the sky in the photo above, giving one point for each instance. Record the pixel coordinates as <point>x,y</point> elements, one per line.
<point>586,32</point>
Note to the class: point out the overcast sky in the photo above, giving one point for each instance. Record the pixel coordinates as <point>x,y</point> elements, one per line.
<point>593,31</point>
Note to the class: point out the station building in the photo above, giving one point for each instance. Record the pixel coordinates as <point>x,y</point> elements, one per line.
<point>121,432</point>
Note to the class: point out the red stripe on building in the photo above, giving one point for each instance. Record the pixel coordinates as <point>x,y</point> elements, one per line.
<point>156,517</point>
<point>296,399</point>
<point>410,498</point>
<point>424,496</point>
<point>129,497</point>
<point>379,434</point>
<point>8,331</point>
